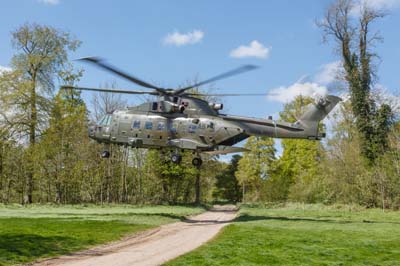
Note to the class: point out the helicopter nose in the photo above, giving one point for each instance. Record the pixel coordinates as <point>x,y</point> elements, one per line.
<point>91,131</point>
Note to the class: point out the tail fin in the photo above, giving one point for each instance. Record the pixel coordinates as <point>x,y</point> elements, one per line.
<point>316,112</point>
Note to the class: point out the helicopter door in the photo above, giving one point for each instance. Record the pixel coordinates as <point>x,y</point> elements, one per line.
<point>136,128</point>
<point>124,126</point>
<point>160,132</point>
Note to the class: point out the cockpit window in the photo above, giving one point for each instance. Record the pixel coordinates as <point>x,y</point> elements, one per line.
<point>106,120</point>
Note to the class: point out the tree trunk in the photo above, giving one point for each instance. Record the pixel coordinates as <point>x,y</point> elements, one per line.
<point>32,141</point>
<point>197,187</point>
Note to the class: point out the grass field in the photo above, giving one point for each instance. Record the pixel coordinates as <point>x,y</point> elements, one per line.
<point>303,235</point>
<point>29,233</point>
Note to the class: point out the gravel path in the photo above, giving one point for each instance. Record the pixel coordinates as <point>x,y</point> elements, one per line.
<point>154,247</point>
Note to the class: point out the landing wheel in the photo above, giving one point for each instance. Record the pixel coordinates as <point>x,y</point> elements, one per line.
<point>105,154</point>
<point>197,161</point>
<point>176,158</point>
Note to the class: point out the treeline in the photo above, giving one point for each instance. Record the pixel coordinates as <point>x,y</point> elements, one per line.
<point>46,155</point>
<point>360,162</point>
<point>335,171</point>
<point>45,152</point>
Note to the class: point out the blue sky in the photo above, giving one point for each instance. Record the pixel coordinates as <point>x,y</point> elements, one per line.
<point>279,36</point>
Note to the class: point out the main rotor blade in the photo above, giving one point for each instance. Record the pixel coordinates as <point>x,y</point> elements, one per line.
<point>100,63</point>
<point>233,72</point>
<point>226,94</point>
<point>108,90</point>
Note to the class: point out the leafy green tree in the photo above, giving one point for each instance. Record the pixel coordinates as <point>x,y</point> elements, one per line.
<point>227,186</point>
<point>298,165</point>
<point>60,147</point>
<point>42,55</point>
<point>345,178</point>
<point>255,167</point>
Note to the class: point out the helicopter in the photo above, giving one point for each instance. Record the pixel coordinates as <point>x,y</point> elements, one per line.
<point>181,120</point>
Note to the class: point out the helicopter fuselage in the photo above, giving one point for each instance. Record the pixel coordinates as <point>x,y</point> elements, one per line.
<point>191,124</point>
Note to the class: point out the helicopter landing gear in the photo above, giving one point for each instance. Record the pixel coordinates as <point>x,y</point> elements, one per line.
<point>176,158</point>
<point>197,161</point>
<point>105,154</point>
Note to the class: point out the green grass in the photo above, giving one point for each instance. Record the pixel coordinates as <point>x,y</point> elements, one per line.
<point>33,232</point>
<point>303,235</point>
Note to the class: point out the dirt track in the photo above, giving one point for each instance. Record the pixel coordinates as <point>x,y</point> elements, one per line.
<point>154,247</point>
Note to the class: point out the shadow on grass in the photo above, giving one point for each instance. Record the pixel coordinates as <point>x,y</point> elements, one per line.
<point>127,214</point>
<point>26,247</point>
<point>249,218</point>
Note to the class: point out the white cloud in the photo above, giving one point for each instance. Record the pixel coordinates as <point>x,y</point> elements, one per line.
<point>382,95</point>
<point>180,39</point>
<point>4,69</point>
<point>315,86</point>
<point>287,94</point>
<point>49,2</point>
<point>381,4</point>
<point>374,4</point>
<point>328,73</point>
<point>254,49</point>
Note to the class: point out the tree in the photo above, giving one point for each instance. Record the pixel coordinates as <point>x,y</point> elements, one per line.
<point>255,166</point>
<point>227,186</point>
<point>354,41</point>
<point>298,165</point>
<point>105,103</point>
<point>61,157</point>
<point>42,56</point>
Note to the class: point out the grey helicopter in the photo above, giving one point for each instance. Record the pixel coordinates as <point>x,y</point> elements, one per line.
<point>181,120</point>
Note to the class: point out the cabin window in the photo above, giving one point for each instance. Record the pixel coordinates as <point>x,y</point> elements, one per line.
<point>160,126</point>
<point>154,106</point>
<point>136,124</point>
<point>148,125</point>
<point>192,128</point>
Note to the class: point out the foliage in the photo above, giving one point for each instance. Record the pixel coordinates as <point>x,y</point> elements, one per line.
<point>226,185</point>
<point>345,178</point>
<point>297,168</point>
<point>354,41</point>
<point>42,55</point>
<point>255,167</point>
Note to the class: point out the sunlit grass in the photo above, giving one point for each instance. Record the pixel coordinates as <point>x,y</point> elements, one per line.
<point>32,232</point>
<point>303,235</point>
